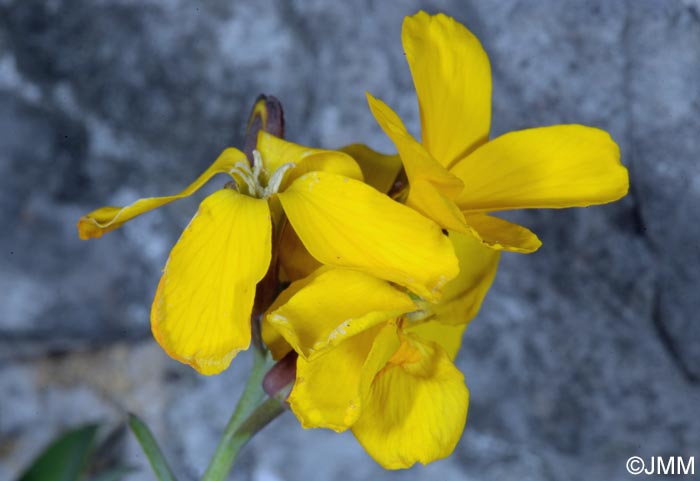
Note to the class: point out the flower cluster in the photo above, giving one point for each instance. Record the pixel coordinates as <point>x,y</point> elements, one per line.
<point>367,268</point>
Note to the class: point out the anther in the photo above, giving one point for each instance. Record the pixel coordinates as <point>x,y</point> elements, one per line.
<point>276,179</point>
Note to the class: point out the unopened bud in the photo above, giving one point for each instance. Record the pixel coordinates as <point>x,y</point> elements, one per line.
<point>279,380</point>
<point>266,115</point>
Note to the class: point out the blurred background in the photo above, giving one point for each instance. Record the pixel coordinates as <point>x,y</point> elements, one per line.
<point>584,354</point>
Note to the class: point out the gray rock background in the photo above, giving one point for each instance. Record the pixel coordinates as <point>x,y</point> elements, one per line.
<point>584,354</point>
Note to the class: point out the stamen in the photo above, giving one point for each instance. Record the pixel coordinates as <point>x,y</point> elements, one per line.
<point>243,171</point>
<point>257,165</point>
<point>276,179</point>
<point>245,167</point>
<point>252,178</point>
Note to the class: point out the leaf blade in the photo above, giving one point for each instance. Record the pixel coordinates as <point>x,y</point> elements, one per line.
<point>65,458</point>
<point>151,449</point>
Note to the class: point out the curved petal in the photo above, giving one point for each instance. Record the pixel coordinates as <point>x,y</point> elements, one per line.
<point>336,305</point>
<point>105,219</point>
<point>278,345</point>
<point>462,296</point>
<point>276,152</point>
<point>546,167</point>
<point>416,407</point>
<point>432,188</point>
<point>201,312</point>
<point>452,76</point>
<point>345,223</point>
<point>328,391</point>
<point>500,234</point>
<point>272,338</point>
<point>380,170</point>
<point>418,162</point>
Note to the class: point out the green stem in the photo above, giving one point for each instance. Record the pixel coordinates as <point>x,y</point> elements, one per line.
<point>258,419</point>
<point>249,417</point>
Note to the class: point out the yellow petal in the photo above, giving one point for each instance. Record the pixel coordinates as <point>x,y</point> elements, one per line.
<point>105,219</point>
<point>500,234</point>
<point>448,337</point>
<point>452,76</point>
<point>432,188</point>
<point>272,338</point>
<point>328,391</point>
<point>345,223</point>
<point>278,345</point>
<point>380,170</point>
<point>337,304</point>
<point>417,161</point>
<point>432,203</point>
<point>546,167</point>
<point>276,152</point>
<point>385,346</point>
<point>293,256</point>
<point>201,312</point>
<point>416,408</point>
<point>462,296</point>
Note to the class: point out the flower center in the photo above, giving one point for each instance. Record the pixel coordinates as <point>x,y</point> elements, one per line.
<point>423,313</point>
<point>253,181</point>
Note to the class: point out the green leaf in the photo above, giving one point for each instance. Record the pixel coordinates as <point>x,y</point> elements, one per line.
<point>65,458</point>
<point>151,449</point>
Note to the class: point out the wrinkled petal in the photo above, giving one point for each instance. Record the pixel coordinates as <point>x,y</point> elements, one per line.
<point>272,338</point>
<point>380,170</point>
<point>345,223</point>
<point>201,312</point>
<point>546,167</point>
<point>105,219</point>
<point>295,260</point>
<point>416,408</point>
<point>336,305</point>
<point>276,152</point>
<point>500,234</point>
<point>328,391</point>
<point>462,296</point>
<point>452,76</point>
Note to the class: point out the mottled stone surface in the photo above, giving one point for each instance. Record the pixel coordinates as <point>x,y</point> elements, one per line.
<point>584,354</point>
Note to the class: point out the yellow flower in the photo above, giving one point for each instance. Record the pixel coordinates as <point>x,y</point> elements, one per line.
<point>201,313</point>
<point>378,360</point>
<point>457,175</point>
